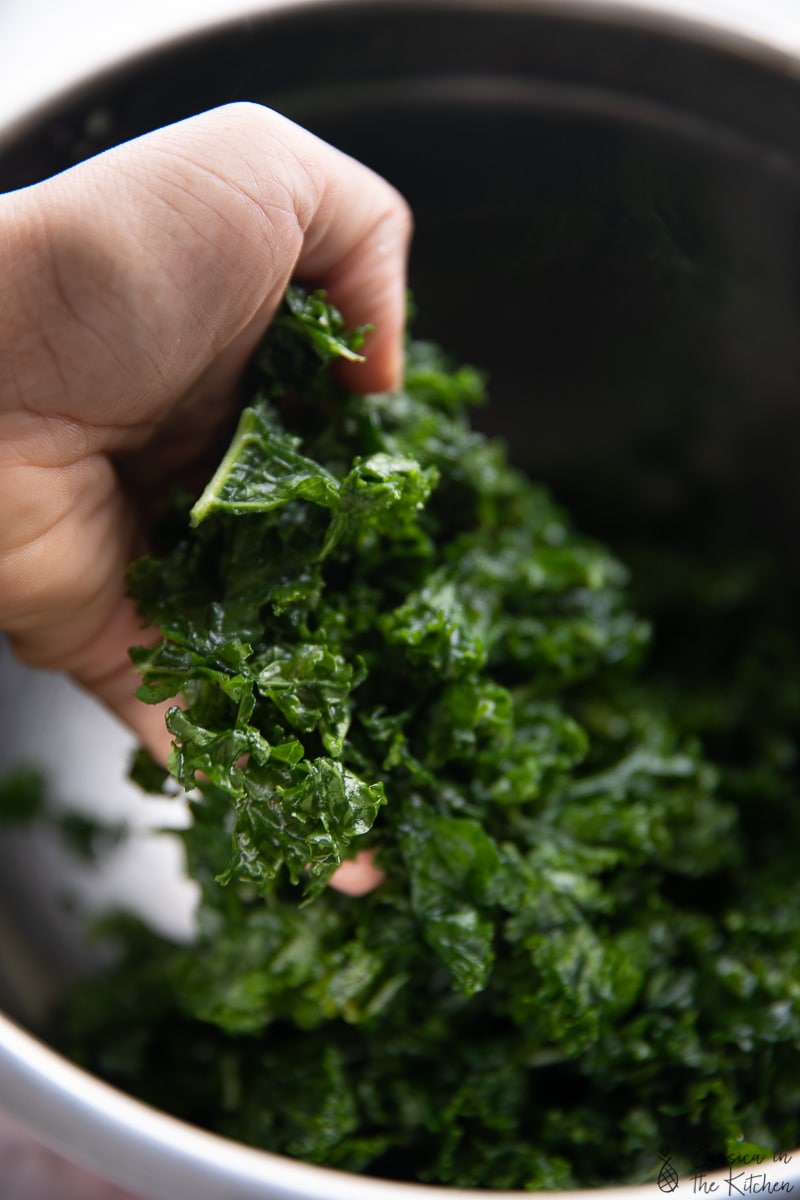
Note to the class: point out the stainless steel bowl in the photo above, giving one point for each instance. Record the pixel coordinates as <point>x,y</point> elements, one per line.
<point>608,212</point>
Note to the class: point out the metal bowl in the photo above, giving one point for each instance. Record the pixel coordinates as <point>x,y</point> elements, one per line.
<point>608,219</point>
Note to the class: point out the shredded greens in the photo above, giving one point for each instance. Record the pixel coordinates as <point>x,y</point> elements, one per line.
<point>584,948</point>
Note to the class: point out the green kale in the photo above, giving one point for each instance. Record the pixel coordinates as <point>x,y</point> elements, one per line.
<point>584,948</point>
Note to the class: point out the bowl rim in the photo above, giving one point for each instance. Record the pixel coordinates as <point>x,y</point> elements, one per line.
<point>741,30</point>
<point>160,1157</point>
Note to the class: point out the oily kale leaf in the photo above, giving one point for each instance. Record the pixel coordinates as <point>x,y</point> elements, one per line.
<point>585,944</point>
<point>263,470</point>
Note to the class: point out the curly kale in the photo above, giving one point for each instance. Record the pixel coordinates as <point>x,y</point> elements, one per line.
<point>385,636</point>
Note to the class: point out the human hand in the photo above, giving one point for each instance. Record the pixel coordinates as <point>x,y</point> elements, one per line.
<point>133,289</point>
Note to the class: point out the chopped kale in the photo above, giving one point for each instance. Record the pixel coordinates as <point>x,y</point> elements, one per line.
<point>586,944</point>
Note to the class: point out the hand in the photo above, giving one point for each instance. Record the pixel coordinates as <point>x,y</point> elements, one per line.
<point>133,289</point>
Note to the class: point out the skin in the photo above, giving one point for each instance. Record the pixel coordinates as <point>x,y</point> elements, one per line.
<point>133,289</point>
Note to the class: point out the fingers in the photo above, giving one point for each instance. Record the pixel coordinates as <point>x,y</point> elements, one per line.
<point>354,228</point>
<point>165,258</point>
<point>356,231</point>
<point>358,876</point>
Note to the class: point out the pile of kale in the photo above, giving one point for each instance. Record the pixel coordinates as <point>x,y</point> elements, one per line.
<point>585,948</point>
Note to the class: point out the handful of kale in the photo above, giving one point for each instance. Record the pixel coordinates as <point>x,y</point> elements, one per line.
<point>386,636</point>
